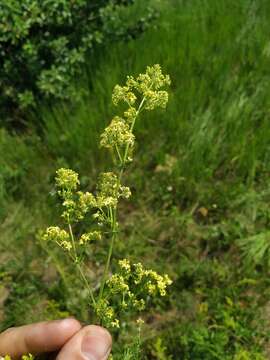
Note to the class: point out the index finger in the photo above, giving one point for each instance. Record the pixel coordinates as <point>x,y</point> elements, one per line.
<point>37,338</point>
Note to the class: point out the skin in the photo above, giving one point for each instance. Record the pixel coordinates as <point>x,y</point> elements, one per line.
<point>66,337</point>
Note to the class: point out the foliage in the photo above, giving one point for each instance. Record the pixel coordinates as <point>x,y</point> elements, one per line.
<point>221,330</point>
<point>15,163</point>
<point>256,248</point>
<point>44,44</point>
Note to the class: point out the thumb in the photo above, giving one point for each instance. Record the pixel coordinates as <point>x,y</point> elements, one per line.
<point>90,343</point>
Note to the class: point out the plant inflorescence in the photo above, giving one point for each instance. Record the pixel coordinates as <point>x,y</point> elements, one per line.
<point>132,286</point>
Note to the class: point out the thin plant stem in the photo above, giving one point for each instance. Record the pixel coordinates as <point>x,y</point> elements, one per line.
<point>86,283</point>
<point>119,155</point>
<point>113,237</point>
<point>131,129</point>
<point>72,239</point>
<point>57,263</point>
<point>75,259</point>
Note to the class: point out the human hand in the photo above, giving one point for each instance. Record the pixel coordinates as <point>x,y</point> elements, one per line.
<point>67,337</point>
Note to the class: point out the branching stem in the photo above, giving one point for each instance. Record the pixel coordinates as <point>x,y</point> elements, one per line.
<point>113,213</point>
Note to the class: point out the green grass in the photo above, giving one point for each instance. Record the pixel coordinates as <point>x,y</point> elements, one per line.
<point>194,220</point>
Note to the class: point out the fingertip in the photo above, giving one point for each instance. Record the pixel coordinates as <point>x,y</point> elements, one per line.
<point>99,331</point>
<point>69,325</point>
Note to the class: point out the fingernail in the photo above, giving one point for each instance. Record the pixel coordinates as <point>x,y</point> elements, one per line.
<point>96,344</point>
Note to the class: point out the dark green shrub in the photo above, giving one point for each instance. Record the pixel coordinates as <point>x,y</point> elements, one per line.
<point>43,44</point>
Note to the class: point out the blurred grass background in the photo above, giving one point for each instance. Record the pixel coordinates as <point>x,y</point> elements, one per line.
<point>200,182</point>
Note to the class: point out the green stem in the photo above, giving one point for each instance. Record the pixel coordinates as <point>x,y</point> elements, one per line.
<point>114,214</point>
<point>86,283</point>
<point>57,263</point>
<point>113,237</point>
<point>75,259</point>
<point>118,153</point>
<point>131,129</point>
<point>72,239</point>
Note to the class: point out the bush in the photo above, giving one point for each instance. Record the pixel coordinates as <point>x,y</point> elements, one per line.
<point>43,44</point>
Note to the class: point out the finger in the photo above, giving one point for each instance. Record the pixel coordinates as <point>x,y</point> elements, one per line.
<point>90,343</point>
<point>37,338</point>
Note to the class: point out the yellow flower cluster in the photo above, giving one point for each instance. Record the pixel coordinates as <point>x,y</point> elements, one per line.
<point>78,203</point>
<point>124,265</point>
<point>117,134</point>
<point>140,321</point>
<point>117,284</point>
<point>147,85</point>
<point>67,179</point>
<point>110,190</point>
<point>106,313</point>
<point>131,288</point>
<point>60,236</point>
<point>123,93</point>
<point>130,114</point>
<point>144,92</point>
<point>87,237</point>
<point>86,201</point>
<point>153,282</point>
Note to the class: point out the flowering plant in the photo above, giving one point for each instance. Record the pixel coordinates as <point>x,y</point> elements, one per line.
<point>132,286</point>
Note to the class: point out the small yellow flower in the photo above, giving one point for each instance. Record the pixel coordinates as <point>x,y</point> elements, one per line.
<point>140,321</point>
<point>124,192</point>
<point>86,201</point>
<point>130,114</point>
<point>66,245</point>
<point>151,288</point>
<point>117,134</point>
<point>67,179</point>
<point>93,235</point>
<point>123,93</point>
<point>124,264</point>
<point>54,233</point>
<point>139,304</point>
<point>117,284</point>
<point>28,357</point>
<point>115,323</point>
<point>156,99</point>
<point>60,236</point>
